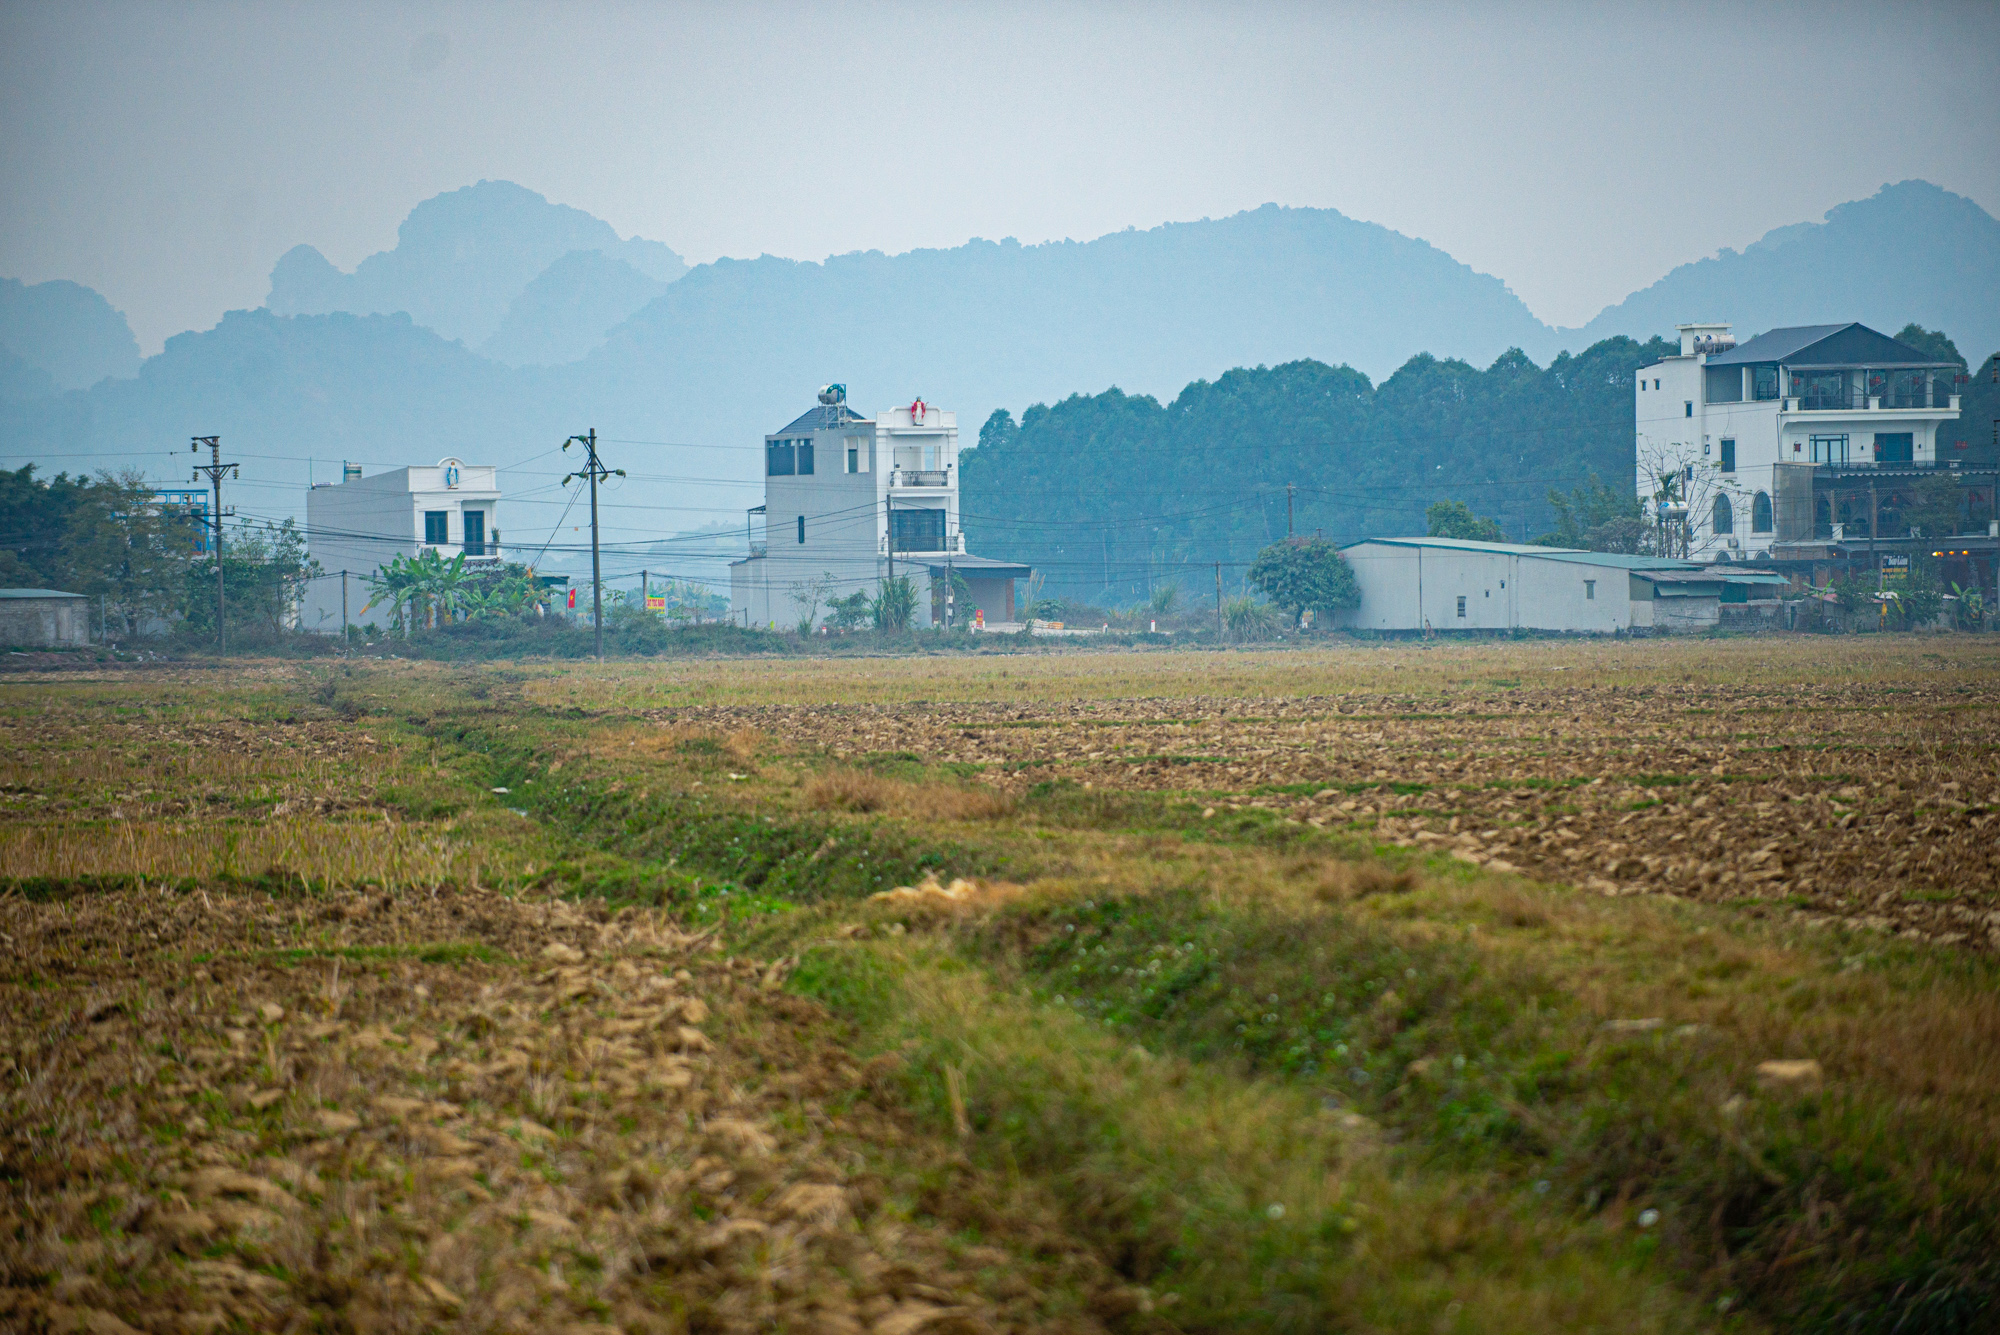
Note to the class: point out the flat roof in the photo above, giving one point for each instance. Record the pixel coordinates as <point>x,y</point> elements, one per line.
<point>984,565</point>
<point>1613,560</point>
<point>38,593</point>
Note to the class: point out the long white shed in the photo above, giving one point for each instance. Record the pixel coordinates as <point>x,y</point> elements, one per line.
<point>1445,584</point>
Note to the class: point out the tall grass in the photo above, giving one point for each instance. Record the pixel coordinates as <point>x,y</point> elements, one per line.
<point>1239,1205</point>
<point>318,851</point>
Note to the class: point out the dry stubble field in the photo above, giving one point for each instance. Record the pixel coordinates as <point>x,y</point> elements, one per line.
<point>1411,988</point>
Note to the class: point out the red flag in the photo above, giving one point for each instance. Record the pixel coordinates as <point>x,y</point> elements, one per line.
<point>572,600</point>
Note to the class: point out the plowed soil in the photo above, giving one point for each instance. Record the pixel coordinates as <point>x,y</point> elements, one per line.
<point>1875,804</point>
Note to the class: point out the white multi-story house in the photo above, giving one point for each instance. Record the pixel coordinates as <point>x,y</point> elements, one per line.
<point>850,501</point>
<point>1798,436</point>
<point>354,527</point>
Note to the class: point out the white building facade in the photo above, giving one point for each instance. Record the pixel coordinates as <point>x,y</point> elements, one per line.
<point>355,527</point>
<point>1764,432</point>
<point>851,500</point>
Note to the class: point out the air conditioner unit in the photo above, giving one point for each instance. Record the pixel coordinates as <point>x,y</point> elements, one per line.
<point>1840,532</point>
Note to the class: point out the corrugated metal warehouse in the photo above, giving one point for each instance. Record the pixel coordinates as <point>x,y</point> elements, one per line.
<point>1447,584</point>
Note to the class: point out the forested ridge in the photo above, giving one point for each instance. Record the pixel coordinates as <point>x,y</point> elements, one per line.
<point>1112,495</point>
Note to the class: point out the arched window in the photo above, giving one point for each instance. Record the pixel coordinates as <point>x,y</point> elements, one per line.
<point>1725,518</point>
<point>1760,513</point>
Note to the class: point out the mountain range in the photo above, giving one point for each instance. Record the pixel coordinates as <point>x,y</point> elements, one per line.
<point>501,323</point>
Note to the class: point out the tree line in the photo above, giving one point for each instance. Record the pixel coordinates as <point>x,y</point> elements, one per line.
<point>1111,496</point>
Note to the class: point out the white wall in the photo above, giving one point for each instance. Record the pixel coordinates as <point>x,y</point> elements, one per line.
<point>1765,435</point>
<point>846,515</point>
<point>359,525</point>
<point>1403,586</point>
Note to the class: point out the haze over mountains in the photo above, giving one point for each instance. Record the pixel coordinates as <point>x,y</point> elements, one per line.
<point>501,322</point>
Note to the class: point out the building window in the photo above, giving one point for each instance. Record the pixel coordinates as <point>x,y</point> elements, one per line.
<point>805,458</point>
<point>1895,447</point>
<point>1728,455</point>
<point>853,460</point>
<point>1725,516</point>
<point>1590,590</point>
<point>917,530</point>
<point>802,529</point>
<point>475,533</point>
<point>779,460</point>
<point>1656,382</point>
<point>437,527</point>
<point>1690,408</point>
<point>1763,383</point>
<point>1760,513</point>
<point>1461,605</point>
<point>1829,449</point>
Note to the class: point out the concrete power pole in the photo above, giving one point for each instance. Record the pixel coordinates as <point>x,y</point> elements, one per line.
<point>595,470</point>
<point>213,470</point>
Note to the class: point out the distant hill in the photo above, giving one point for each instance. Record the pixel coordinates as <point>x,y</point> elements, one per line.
<point>989,323</point>
<point>376,389</point>
<point>569,307</point>
<point>461,260</point>
<point>65,331</point>
<point>682,387</point>
<point>1909,252</point>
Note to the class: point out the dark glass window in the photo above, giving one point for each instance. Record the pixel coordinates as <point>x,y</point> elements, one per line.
<point>1728,455</point>
<point>1725,516</point>
<point>475,533</point>
<point>1764,382</point>
<point>917,530</point>
<point>778,458</point>
<point>805,457</point>
<point>1895,447</point>
<point>437,527</point>
<point>1760,513</point>
<point>802,529</point>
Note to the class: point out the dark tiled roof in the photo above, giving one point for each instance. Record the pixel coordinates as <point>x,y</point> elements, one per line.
<point>1824,345</point>
<point>819,419</point>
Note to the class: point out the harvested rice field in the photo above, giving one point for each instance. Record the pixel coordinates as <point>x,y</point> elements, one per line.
<point>1512,987</point>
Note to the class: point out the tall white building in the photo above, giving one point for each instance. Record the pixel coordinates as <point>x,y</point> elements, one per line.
<point>850,500</point>
<point>1792,436</point>
<point>359,524</point>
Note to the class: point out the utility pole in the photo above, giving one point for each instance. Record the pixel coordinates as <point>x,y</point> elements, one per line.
<point>646,592</point>
<point>1288,510</point>
<point>889,527</point>
<point>214,469</point>
<point>1218,604</point>
<point>343,613</point>
<point>595,470</point>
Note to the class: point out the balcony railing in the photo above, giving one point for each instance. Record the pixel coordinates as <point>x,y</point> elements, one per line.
<point>1874,400</point>
<point>920,477</point>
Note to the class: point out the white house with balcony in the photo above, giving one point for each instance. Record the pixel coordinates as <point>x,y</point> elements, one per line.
<point>850,501</point>
<point>354,527</point>
<point>1782,438</point>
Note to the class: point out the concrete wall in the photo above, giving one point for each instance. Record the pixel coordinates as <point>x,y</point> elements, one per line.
<point>359,526</point>
<point>845,531</point>
<point>45,623</point>
<point>1402,588</point>
<point>1766,437</point>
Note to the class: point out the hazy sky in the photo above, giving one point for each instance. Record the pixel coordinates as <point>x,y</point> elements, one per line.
<point>167,154</point>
